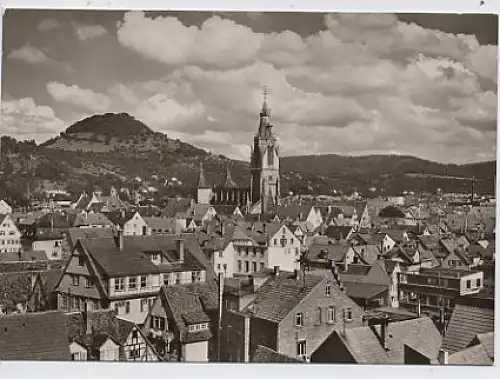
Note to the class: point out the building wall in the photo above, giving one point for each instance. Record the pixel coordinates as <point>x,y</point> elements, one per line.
<point>134,226</point>
<point>235,337</point>
<point>225,258</point>
<point>204,195</point>
<point>53,248</point>
<point>264,333</point>
<point>196,352</point>
<point>314,218</point>
<point>134,310</point>
<point>10,236</point>
<point>77,352</point>
<point>313,331</point>
<point>109,351</point>
<point>5,208</point>
<point>473,283</point>
<point>138,344</point>
<point>285,256</point>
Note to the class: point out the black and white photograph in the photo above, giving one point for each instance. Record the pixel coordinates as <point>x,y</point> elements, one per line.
<point>248,187</point>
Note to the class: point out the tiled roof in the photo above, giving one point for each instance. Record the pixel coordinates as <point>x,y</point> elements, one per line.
<point>279,295</point>
<point>34,336</point>
<point>133,260</point>
<point>487,340</point>
<point>90,219</point>
<point>338,232</point>
<point>420,334</point>
<point>263,354</point>
<point>474,355</point>
<point>356,269</point>
<point>188,305</point>
<point>74,234</point>
<point>119,218</point>
<point>337,252</point>
<point>368,253</point>
<point>467,321</point>
<point>160,222</point>
<point>363,290</point>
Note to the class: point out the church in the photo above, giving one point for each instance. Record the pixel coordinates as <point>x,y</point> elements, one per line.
<point>263,191</point>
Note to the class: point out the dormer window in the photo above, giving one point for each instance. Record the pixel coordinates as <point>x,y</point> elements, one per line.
<point>198,327</point>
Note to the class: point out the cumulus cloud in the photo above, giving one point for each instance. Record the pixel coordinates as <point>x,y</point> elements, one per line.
<point>362,84</point>
<point>79,97</point>
<point>26,118</point>
<point>87,32</point>
<point>48,24</point>
<point>30,55</point>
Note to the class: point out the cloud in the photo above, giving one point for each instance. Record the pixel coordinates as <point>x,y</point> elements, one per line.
<point>48,24</point>
<point>30,55</point>
<point>87,32</point>
<point>24,117</point>
<point>82,98</point>
<point>217,43</point>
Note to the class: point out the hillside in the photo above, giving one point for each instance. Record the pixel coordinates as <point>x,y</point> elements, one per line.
<point>113,149</point>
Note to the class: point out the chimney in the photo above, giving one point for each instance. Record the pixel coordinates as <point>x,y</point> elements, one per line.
<point>123,213</point>
<point>222,228</point>
<point>180,249</point>
<point>346,265</point>
<point>383,331</point>
<point>276,270</point>
<point>120,239</point>
<point>443,357</point>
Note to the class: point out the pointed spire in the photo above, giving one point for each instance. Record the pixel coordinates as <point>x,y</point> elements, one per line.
<point>202,182</point>
<point>229,183</point>
<point>265,109</point>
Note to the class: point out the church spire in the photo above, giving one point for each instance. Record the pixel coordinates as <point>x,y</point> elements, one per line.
<point>265,112</point>
<point>229,183</point>
<point>202,182</point>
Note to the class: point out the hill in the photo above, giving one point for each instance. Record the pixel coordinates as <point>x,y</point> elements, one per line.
<point>113,149</point>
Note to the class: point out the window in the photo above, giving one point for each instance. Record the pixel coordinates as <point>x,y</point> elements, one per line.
<point>348,314</point>
<point>239,266</point>
<point>218,266</point>
<point>144,281</point>
<point>166,279</point>
<point>291,240</point>
<point>319,318</point>
<point>301,348</point>
<point>144,305</point>
<point>196,276</point>
<point>135,335</point>
<point>127,307</point>
<point>299,319</point>
<point>468,283</point>
<point>478,282</point>
<point>247,266</point>
<point>119,284</point>
<point>262,265</point>
<point>89,282</point>
<point>135,353</point>
<point>331,314</point>
<point>225,267</point>
<point>275,242</point>
<point>328,290</point>
<point>158,323</point>
<point>177,278</point>
<point>254,266</point>
<point>75,280</point>
<point>270,156</point>
<point>221,254</point>
<point>132,283</point>
<point>80,261</point>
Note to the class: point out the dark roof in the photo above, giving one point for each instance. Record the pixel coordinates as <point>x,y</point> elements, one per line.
<point>363,290</point>
<point>466,322</point>
<point>83,233</point>
<point>34,336</point>
<point>264,354</point>
<point>337,252</point>
<point>133,260</point>
<point>356,269</point>
<point>280,294</point>
<point>338,232</point>
<point>188,305</point>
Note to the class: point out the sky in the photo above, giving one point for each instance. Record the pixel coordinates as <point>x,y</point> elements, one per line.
<point>351,84</point>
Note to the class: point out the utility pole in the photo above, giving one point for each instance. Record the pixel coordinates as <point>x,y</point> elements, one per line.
<point>219,318</point>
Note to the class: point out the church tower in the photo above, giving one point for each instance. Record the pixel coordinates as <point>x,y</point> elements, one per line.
<point>264,163</point>
<point>204,193</point>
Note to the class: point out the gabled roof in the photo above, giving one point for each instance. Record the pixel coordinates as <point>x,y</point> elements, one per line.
<point>338,232</point>
<point>466,322</point>
<point>337,252</point>
<point>420,334</point>
<point>74,234</point>
<point>276,298</point>
<point>160,222</point>
<point>91,219</point>
<point>189,304</point>
<point>487,340</point>
<point>34,336</point>
<point>263,354</point>
<point>473,355</point>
